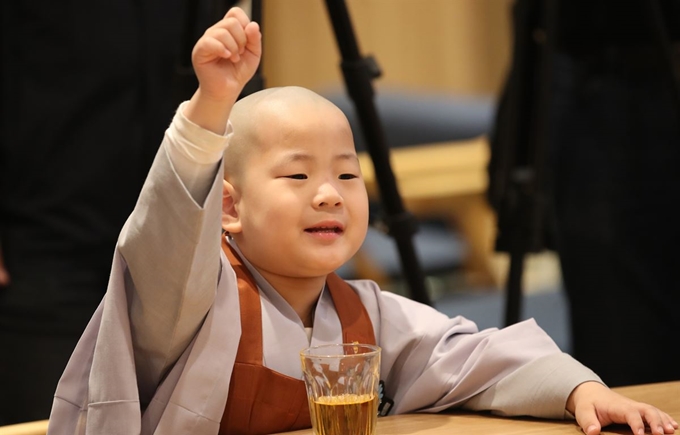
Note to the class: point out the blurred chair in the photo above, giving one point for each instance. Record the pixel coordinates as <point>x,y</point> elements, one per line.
<point>30,428</point>
<point>411,118</point>
<point>410,121</point>
<point>438,248</point>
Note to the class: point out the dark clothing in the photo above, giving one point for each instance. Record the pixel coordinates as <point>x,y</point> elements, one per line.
<point>87,95</point>
<point>584,26</point>
<point>608,180</point>
<point>616,151</point>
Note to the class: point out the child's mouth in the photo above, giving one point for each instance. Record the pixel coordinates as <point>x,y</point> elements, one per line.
<point>335,230</point>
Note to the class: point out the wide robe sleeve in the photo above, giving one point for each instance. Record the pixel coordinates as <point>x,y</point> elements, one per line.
<point>431,362</point>
<point>171,245</point>
<point>156,357</point>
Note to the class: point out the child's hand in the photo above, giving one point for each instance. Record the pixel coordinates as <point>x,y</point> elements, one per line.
<point>227,55</point>
<point>596,406</point>
<point>224,59</point>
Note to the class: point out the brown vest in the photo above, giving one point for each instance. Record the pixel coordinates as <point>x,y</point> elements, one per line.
<point>262,401</point>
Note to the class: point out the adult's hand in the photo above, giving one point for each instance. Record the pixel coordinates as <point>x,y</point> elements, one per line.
<point>4,274</point>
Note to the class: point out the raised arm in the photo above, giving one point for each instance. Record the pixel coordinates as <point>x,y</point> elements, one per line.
<point>171,242</point>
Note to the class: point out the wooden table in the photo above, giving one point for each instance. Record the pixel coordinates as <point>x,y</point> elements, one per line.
<point>665,396</point>
<point>30,428</point>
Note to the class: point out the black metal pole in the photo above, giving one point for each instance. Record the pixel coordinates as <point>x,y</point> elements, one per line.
<point>358,73</point>
<point>528,177</point>
<point>516,175</point>
<point>257,82</point>
<point>513,297</point>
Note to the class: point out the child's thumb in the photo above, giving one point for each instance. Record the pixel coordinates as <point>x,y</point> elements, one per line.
<point>588,421</point>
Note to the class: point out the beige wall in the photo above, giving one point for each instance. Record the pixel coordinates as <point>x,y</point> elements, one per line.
<point>444,45</point>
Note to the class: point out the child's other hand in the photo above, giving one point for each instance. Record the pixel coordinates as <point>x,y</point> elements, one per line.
<point>227,56</point>
<point>596,406</point>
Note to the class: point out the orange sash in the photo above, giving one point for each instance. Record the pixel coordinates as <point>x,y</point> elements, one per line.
<point>262,401</point>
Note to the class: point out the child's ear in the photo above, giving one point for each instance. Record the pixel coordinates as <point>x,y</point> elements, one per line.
<point>231,221</point>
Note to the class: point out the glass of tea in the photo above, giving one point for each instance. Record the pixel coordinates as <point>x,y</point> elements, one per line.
<point>342,383</point>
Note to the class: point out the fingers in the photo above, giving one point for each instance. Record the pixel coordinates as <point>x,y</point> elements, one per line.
<point>239,15</point>
<point>663,422</point>
<point>659,423</point>
<point>601,407</point>
<point>232,37</point>
<point>209,49</point>
<point>235,34</point>
<point>587,419</point>
<point>637,425</point>
<point>254,36</point>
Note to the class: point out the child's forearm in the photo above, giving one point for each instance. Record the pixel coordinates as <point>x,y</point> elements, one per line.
<point>195,154</point>
<point>209,113</point>
<point>534,390</point>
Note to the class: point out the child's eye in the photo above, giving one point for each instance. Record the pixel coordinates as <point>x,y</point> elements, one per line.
<point>347,176</point>
<point>297,176</point>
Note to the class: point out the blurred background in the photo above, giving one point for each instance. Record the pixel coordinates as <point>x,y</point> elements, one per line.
<point>444,64</point>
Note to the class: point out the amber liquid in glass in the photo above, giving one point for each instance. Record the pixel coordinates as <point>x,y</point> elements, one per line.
<point>348,414</point>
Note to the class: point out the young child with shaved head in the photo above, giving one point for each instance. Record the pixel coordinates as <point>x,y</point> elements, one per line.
<point>224,272</point>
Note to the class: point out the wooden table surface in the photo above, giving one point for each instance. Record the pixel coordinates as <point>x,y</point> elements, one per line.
<point>665,396</point>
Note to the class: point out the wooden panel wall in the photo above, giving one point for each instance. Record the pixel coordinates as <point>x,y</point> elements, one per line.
<point>460,46</point>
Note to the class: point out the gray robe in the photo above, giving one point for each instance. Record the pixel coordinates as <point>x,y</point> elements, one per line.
<point>158,353</point>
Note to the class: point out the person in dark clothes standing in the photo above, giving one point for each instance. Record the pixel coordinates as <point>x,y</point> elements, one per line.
<point>609,174</point>
<point>82,119</point>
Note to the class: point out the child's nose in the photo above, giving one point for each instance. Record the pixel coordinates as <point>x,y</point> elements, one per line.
<point>327,195</point>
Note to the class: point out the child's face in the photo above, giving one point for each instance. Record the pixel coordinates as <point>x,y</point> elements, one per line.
<point>302,202</point>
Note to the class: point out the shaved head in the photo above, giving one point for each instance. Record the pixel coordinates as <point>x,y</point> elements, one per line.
<point>269,114</point>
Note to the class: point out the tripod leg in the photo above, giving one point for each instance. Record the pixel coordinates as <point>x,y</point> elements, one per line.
<point>358,73</point>
<point>257,82</point>
<point>527,178</point>
<point>513,301</point>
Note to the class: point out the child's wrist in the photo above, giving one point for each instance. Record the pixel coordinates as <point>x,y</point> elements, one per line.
<point>582,388</point>
<point>226,98</point>
<point>210,112</point>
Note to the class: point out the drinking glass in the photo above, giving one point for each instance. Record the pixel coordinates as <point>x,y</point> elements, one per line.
<point>342,383</point>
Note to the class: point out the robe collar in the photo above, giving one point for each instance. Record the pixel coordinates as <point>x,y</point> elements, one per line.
<point>282,329</point>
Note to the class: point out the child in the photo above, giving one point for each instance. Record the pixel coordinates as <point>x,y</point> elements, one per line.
<point>193,340</point>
